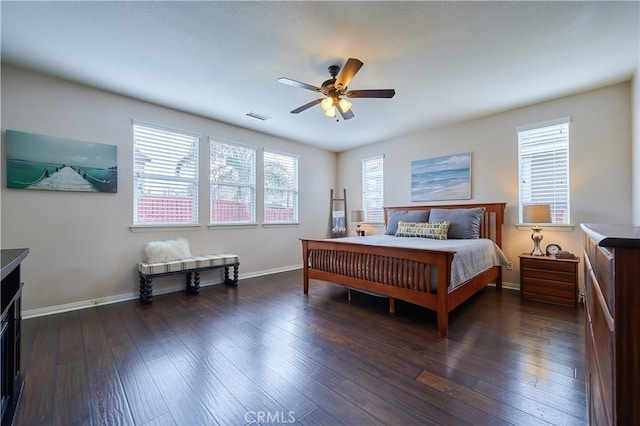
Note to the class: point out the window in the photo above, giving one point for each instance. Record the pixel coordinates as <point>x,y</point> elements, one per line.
<point>544,168</point>
<point>280,188</point>
<point>165,176</point>
<point>373,189</point>
<point>233,183</point>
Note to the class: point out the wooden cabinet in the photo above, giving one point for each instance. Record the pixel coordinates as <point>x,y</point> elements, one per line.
<point>612,335</point>
<point>10,301</point>
<point>550,280</point>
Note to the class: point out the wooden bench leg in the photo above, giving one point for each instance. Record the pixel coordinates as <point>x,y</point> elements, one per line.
<point>146,289</point>
<point>196,282</point>
<point>228,281</point>
<point>392,305</point>
<point>193,287</point>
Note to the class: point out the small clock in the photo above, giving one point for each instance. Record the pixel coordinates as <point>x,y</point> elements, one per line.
<point>553,249</point>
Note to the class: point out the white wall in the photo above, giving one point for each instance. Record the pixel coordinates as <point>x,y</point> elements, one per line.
<point>81,247</point>
<point>600,163</point>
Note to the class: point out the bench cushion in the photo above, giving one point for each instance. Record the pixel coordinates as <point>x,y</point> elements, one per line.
<point>194,262</point>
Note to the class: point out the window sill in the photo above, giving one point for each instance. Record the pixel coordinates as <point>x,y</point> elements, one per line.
<point>281,225</point>
<point>548,227</point>
<point>231,225</point>
<point>164,228</point>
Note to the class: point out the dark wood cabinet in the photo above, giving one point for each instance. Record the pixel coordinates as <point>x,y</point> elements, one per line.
<point>550,280</point>
<point>11,296</point>
<point>612,335</point>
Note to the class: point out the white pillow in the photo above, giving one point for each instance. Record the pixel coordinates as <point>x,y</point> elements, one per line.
<point>165,251</point>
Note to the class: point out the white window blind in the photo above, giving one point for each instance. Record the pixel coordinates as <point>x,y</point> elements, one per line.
<point>165,176</point>
<point>280,188</point>
<point>373,189</point>
<point>544,169</point>
<point>233,183</point>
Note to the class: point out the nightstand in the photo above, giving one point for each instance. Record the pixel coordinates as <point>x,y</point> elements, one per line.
<point>550,280</point>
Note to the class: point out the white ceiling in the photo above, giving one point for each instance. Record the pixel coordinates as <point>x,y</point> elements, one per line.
<point>447,61</point>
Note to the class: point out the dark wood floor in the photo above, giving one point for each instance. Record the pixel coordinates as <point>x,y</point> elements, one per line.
<point>264,353</point>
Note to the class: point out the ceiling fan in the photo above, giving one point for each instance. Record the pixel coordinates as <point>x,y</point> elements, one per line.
<point>336,87</point>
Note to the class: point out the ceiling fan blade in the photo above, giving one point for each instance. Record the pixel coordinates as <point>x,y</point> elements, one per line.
<point>306,106</point>
<point>346,115</point>
<point>299,84</point>
<point>349,70</point>
<point>373,93</point>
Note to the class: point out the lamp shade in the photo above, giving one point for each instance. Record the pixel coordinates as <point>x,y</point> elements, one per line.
<point>357,216</point>
<point>536,213</point>
<point>327,103</point>
<point>345,105</point>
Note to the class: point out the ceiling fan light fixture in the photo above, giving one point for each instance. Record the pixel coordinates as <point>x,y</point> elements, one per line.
<point>331,112</point>
<point>334,88</point>
<point>345,105</point>
<point>327,103</point>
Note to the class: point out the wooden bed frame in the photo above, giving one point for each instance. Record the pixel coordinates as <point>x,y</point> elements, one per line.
<point>403,273</point>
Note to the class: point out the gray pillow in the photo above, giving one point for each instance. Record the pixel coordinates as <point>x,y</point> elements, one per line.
<point>394,216</point>
<point>465,223</point>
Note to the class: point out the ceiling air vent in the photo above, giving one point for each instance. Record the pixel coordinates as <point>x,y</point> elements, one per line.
<point>258,116</point>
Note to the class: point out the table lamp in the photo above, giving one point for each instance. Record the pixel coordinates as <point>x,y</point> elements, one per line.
<point>536,214</point>
<point>357,217</point>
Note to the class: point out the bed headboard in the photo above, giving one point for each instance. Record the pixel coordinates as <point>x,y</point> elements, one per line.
<point>490,225</point>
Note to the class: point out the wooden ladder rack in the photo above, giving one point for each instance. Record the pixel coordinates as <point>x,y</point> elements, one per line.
<point>338,215</point>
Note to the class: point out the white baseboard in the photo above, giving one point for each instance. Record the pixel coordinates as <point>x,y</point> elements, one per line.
<point>74,306</point>
<point>270,271</point>
<point>510,286</point>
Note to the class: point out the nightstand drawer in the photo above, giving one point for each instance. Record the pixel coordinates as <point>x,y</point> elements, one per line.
<point>548,264</point>
<point>547,274</point>
<point>538,297</point>
<point>551,288</point>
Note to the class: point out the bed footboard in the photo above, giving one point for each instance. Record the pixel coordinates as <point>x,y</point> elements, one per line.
<point>400,273</point>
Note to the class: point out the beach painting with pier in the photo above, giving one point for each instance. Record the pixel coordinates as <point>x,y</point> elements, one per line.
<point>59,164</point>
<point>441,178</point>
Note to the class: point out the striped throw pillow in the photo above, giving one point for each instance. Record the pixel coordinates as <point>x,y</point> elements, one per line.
<point>435,230</point>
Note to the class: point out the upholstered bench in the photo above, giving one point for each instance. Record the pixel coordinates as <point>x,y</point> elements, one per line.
<point>191,266</point>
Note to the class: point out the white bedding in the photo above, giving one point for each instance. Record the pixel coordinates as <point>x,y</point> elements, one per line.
<point>471,256</point>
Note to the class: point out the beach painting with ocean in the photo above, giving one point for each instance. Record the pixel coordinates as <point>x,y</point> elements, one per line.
<point>441,178</point>
<point>46,162</point>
